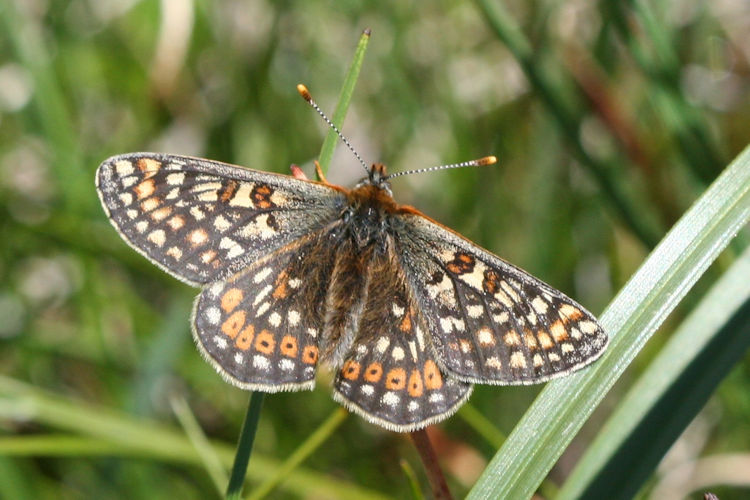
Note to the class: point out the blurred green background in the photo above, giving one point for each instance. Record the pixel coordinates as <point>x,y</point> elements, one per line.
<point>608,120</point>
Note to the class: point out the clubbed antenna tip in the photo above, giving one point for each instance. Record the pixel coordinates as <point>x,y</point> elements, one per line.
<point>308,97</point>
<point>487,160</point>
<point>481,162</point>
<point>304,92</point>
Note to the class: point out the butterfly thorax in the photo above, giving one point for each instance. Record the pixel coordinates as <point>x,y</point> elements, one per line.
<point>369,210</point>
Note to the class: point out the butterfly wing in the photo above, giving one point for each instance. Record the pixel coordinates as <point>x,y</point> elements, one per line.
<point>202,220</point>
<point>390,375</point>
<point>261,327</point>
<point>491,322</point>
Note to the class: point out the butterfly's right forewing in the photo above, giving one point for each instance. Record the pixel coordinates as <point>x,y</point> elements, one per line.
<point>490,321</point>
<point>201,220</point>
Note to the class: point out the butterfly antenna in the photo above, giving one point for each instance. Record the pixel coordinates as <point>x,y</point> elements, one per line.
<point>487,160</point>
<point>308,97</point>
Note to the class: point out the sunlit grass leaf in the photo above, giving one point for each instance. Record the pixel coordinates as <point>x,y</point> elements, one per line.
<point>651,294</point>
<point>669,394</point>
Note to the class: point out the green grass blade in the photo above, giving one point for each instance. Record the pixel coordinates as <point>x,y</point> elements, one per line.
<point>669,394</point>
<point>306,449</point>
<point>245,446</point>
<point>331,140</point>
<point>136,437</point>
<point>560,101</point>
<point>651,294</point>
<point>211,461</point>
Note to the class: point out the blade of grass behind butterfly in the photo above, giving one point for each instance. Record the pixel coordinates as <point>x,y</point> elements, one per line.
<point>668,395</point>
<point>26,38</point>
<point>247,435</point>
<point>93,430</point>
<point>653,49</point>
<point>558,95</point>
<point>345,97</point>
<point>652,293</point>
<point>304,450</point>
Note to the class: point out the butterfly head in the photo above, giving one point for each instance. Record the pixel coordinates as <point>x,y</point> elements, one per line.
<point>377,178</point>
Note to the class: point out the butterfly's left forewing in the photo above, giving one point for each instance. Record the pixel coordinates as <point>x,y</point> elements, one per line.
<point>202,220</point>
<point>490,321</point>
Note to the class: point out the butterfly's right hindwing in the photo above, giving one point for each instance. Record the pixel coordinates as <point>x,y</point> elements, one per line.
<point>201,220</point>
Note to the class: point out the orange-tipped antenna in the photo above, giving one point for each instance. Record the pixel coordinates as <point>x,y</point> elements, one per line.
<point>308,97</point>
<point>487,160</point>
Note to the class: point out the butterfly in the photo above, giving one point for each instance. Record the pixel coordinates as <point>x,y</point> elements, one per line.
<point>296,273</point>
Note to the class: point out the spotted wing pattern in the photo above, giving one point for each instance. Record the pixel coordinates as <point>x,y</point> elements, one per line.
<point>261,328</point>
<point>202,220</point>
<point>390,375</point>
<point>489,321</point>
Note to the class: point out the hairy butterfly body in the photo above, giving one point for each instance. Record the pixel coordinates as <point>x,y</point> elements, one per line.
<point>295,273</point>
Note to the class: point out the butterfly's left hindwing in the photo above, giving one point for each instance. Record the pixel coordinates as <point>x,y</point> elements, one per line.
<point>261,328</point>
<point>202,220</point>
<point>490,321</point>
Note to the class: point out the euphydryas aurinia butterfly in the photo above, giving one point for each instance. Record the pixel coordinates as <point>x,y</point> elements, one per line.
<point>295,273</point>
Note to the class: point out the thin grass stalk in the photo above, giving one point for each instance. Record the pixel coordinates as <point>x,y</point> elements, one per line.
<point>312,443</point>
<point>244,446</point>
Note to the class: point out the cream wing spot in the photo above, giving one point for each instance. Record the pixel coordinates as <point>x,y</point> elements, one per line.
<point>233,248</point>
<point>539,305</point>
<point>275,319</point>
<point>494,363</point>
<point>221,223</point>
<point>124,167</point>
<point>397,353</point>
<point>197,213</point>
<point>197,237</point>
<point>175,253</point>
<point>286,364</point>
<point>176,179</point>
<point>382,344</point>
<point>486,337</point>
<point>517,360</point>
<point>213,315</point>
<point>126,199</point>
<point>293,317</point>
<point>175,222</point>
<point>262,274</point>
<point>391,399</point>
<point>475,311</point>
<point>588,327</point>
<point>157,237</point>
<point>242,197</point>
<point>262,295</point>
<point>261,362</point>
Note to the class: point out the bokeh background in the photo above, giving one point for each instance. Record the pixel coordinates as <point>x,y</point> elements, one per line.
<point>608,119</point>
